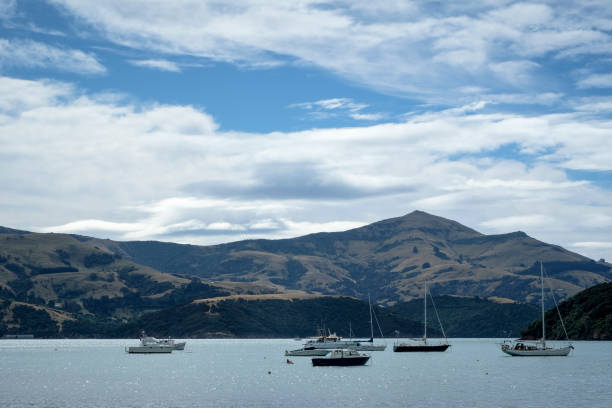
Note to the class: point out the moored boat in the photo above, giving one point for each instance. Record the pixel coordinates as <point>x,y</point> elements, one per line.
<point>343,358</point>
<point>369,345</point>
<point>148,349</point>
<point>538,348</point>
<point>330,341</point>
<point>407,347</point>
<point>148,340</point>
<point>421,345</point>
<point>170,342</point>
<point>525,349</point>
<point>307,352</point>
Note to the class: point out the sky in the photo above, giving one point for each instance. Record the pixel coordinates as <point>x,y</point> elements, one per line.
<point>206,122</point>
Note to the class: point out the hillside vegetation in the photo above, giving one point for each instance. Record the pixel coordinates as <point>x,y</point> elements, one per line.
<point>587,316</point>
<point>62,276</point>
<point>72,285</point>
<point>389,259</point>
<point>471,317</point>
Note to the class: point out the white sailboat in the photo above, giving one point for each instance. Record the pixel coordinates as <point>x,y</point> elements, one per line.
<point>421,345</point>
<point>538,348</point>
<point>368,345</point>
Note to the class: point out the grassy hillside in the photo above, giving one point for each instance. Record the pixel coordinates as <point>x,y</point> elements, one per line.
<point>285,315</point>
<point>63,274</point>
<point>388,259</point>
<point>587,316</point>
<point>269,318</point>
<point>89,286</point>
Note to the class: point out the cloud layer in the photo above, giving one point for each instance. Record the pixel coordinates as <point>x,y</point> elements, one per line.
<point>412,47</point>
<point>32,54</point>
<point>167,172</point>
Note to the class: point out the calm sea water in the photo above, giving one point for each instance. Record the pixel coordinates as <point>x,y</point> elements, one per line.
<point>254,373</point>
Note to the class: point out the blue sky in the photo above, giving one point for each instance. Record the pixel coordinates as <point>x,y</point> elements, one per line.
<point>207,122</point>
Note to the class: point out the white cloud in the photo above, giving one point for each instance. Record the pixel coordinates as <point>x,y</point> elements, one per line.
<point>21,95</point>
<point>591,244</point>
<point>368,116</point>
<point>160,64</point>
<point>521,222</point>
<point>326,108</point>
<point>93,225</point>
<point>7,9</point>
<point>516,72</point>
<point>596,81</point>
<point>405,47</point>
<point>594,104</point>
<point>168,172</point>
<point>32,54</point>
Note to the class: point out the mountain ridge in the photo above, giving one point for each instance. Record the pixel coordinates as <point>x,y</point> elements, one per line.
<point>389,259</point>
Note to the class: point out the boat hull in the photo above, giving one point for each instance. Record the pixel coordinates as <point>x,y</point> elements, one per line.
<point>368,347</point>
<point>343,362</point>
<point>558,352</point>
<point>331,345</point>
<point>406,348</point>
<point>180,346</point>
<point>307,353</point>
<point>149,350</point>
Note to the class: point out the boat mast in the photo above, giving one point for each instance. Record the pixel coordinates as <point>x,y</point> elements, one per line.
<point>371,325</point>
<point>425,299</point>
<point>543,323</point>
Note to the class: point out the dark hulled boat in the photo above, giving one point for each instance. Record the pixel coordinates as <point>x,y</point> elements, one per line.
<point>404,347</point>
<point>421,345</point>
<point>342,358</point>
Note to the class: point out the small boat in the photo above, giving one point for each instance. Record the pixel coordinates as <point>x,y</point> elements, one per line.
<point>538,348</point>
<point>148,349</point>
<point>342,357</point>
<point>407,347</point>
<point>330,341</point>
<point>171,342</point>
<point>148,340</point>
<point>368,345</point>
<point>421,345</point>
<point>523,348</point>
<point>307,352</point>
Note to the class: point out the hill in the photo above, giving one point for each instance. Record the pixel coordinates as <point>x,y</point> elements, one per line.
<point>62,275</point>
<point>471,316</point>
<point>243,317</point>
<point>92,286</point>
<point>388,259</point>
<point>231,316</point>
<point>587,316</point>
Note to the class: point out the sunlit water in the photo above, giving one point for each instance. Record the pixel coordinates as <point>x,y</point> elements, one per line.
<point>238,373</point>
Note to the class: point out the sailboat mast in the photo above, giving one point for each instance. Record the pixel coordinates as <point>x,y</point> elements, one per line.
<point>371,326</point>
<point>425,299</point>
<point>543,323</point>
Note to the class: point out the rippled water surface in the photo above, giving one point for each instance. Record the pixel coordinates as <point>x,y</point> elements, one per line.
<point>224,373</point>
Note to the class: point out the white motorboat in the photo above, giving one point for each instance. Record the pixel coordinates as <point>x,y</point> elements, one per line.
<point>171,342</point>
<point>148,349</point>
<point>148,340</point>
<point>538,348</point>
<point>307,352</point>
<point>330,341</point>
